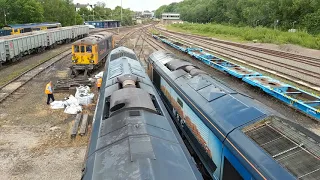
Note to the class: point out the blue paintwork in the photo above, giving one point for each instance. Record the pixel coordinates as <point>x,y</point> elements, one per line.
<point>5,32</point>
<point>104,23</point>
<point>212,141</point>
<point>220,113</point>
<point>33,25</point>
<point>171,158</point>
<point>310,108</point>
<point>282,93</point>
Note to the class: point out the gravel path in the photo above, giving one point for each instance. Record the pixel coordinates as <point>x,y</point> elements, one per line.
<point>30,147</point>
<point>34,139</point>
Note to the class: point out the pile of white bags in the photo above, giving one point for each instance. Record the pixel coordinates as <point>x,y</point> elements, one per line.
<point>57,105</point>
<point>99,75</point>
<point>71,105</point>
<point>83,95</point>
<point>73,109</point>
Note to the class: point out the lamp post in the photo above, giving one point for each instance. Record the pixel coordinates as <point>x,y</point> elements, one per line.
<point>276,23</point>
<point>92,7</point>
<point>121,10</point>
<point>293,24</point>
<point>5,16</point>
<point>257,22</point>
<point>75,15</point>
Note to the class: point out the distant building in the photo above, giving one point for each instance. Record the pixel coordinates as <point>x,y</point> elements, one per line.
<point>78,6</point>
<point>139,20</point>
<point>152,12</point>
<point>147,15</point>
<point>170,18</point>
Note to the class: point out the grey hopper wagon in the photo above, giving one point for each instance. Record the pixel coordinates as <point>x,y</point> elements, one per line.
<point>13,47</point>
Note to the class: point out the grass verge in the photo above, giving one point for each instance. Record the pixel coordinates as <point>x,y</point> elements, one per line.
<point>18,72</point>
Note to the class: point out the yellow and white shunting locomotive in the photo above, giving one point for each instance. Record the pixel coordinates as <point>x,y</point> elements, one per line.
<point>90,52</point>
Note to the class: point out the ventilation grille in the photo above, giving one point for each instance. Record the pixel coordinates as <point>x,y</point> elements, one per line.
<point>294,150</point>
<point>122,54</point>
<point>134,113</point>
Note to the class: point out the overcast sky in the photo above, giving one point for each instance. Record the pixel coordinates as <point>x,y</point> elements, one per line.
<point>136,5</point>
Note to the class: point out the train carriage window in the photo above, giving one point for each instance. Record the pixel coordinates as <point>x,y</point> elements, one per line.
<point>229,172</point>
<point>156,79</point>
<point>89,48</point>
<point>180,102</point>
<point>76,48</point>
<point>109,43</point>
<point>82,49</point>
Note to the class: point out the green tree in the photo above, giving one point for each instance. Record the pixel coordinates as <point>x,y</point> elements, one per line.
<point>23,11</point>
<point>312,22</point>
<point>283,13</point>
<point>159,11</point>
<point>85,13</point>
<point>62,11</point>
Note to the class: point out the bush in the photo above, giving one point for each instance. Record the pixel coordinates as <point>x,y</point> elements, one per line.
<point>261,34</point>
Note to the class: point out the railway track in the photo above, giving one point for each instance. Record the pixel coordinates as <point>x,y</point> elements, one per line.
<point>127,36</point>
<point>151,42</point>
<point>16,83</point>
<point>289,56</point>
<point>298,73</point>
<point>12,86</point>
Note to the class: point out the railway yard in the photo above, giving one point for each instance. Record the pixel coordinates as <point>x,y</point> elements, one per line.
<point>35,140</point>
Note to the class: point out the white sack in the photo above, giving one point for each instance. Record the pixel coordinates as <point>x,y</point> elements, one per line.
<point>57,104</point>
<point>71,100</point>
<point>99,75</point>
<point>73,109</point>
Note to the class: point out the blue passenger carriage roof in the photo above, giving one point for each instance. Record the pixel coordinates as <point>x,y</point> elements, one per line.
<point>264,138</point>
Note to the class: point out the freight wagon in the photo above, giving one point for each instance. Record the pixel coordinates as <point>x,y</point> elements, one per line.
<point>13,47</point>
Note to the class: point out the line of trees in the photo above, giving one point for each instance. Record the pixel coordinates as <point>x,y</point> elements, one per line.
<point>63,11</point>
<point>283,14</point>
<point>100,12</point>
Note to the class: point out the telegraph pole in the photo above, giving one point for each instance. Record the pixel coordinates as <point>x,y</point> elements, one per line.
<point>121,10</point>
<point>5,16</point>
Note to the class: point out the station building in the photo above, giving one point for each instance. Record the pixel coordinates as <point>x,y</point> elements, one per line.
<point>170,18</point>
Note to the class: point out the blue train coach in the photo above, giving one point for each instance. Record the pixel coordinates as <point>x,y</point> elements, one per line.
<point>233,135</point>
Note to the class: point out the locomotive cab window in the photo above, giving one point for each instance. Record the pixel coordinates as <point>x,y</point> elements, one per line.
<point>82,49</point>
<point>89,49</point>
<point>76,49</point>
<point>107,44</point>
<point>229,172</point>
